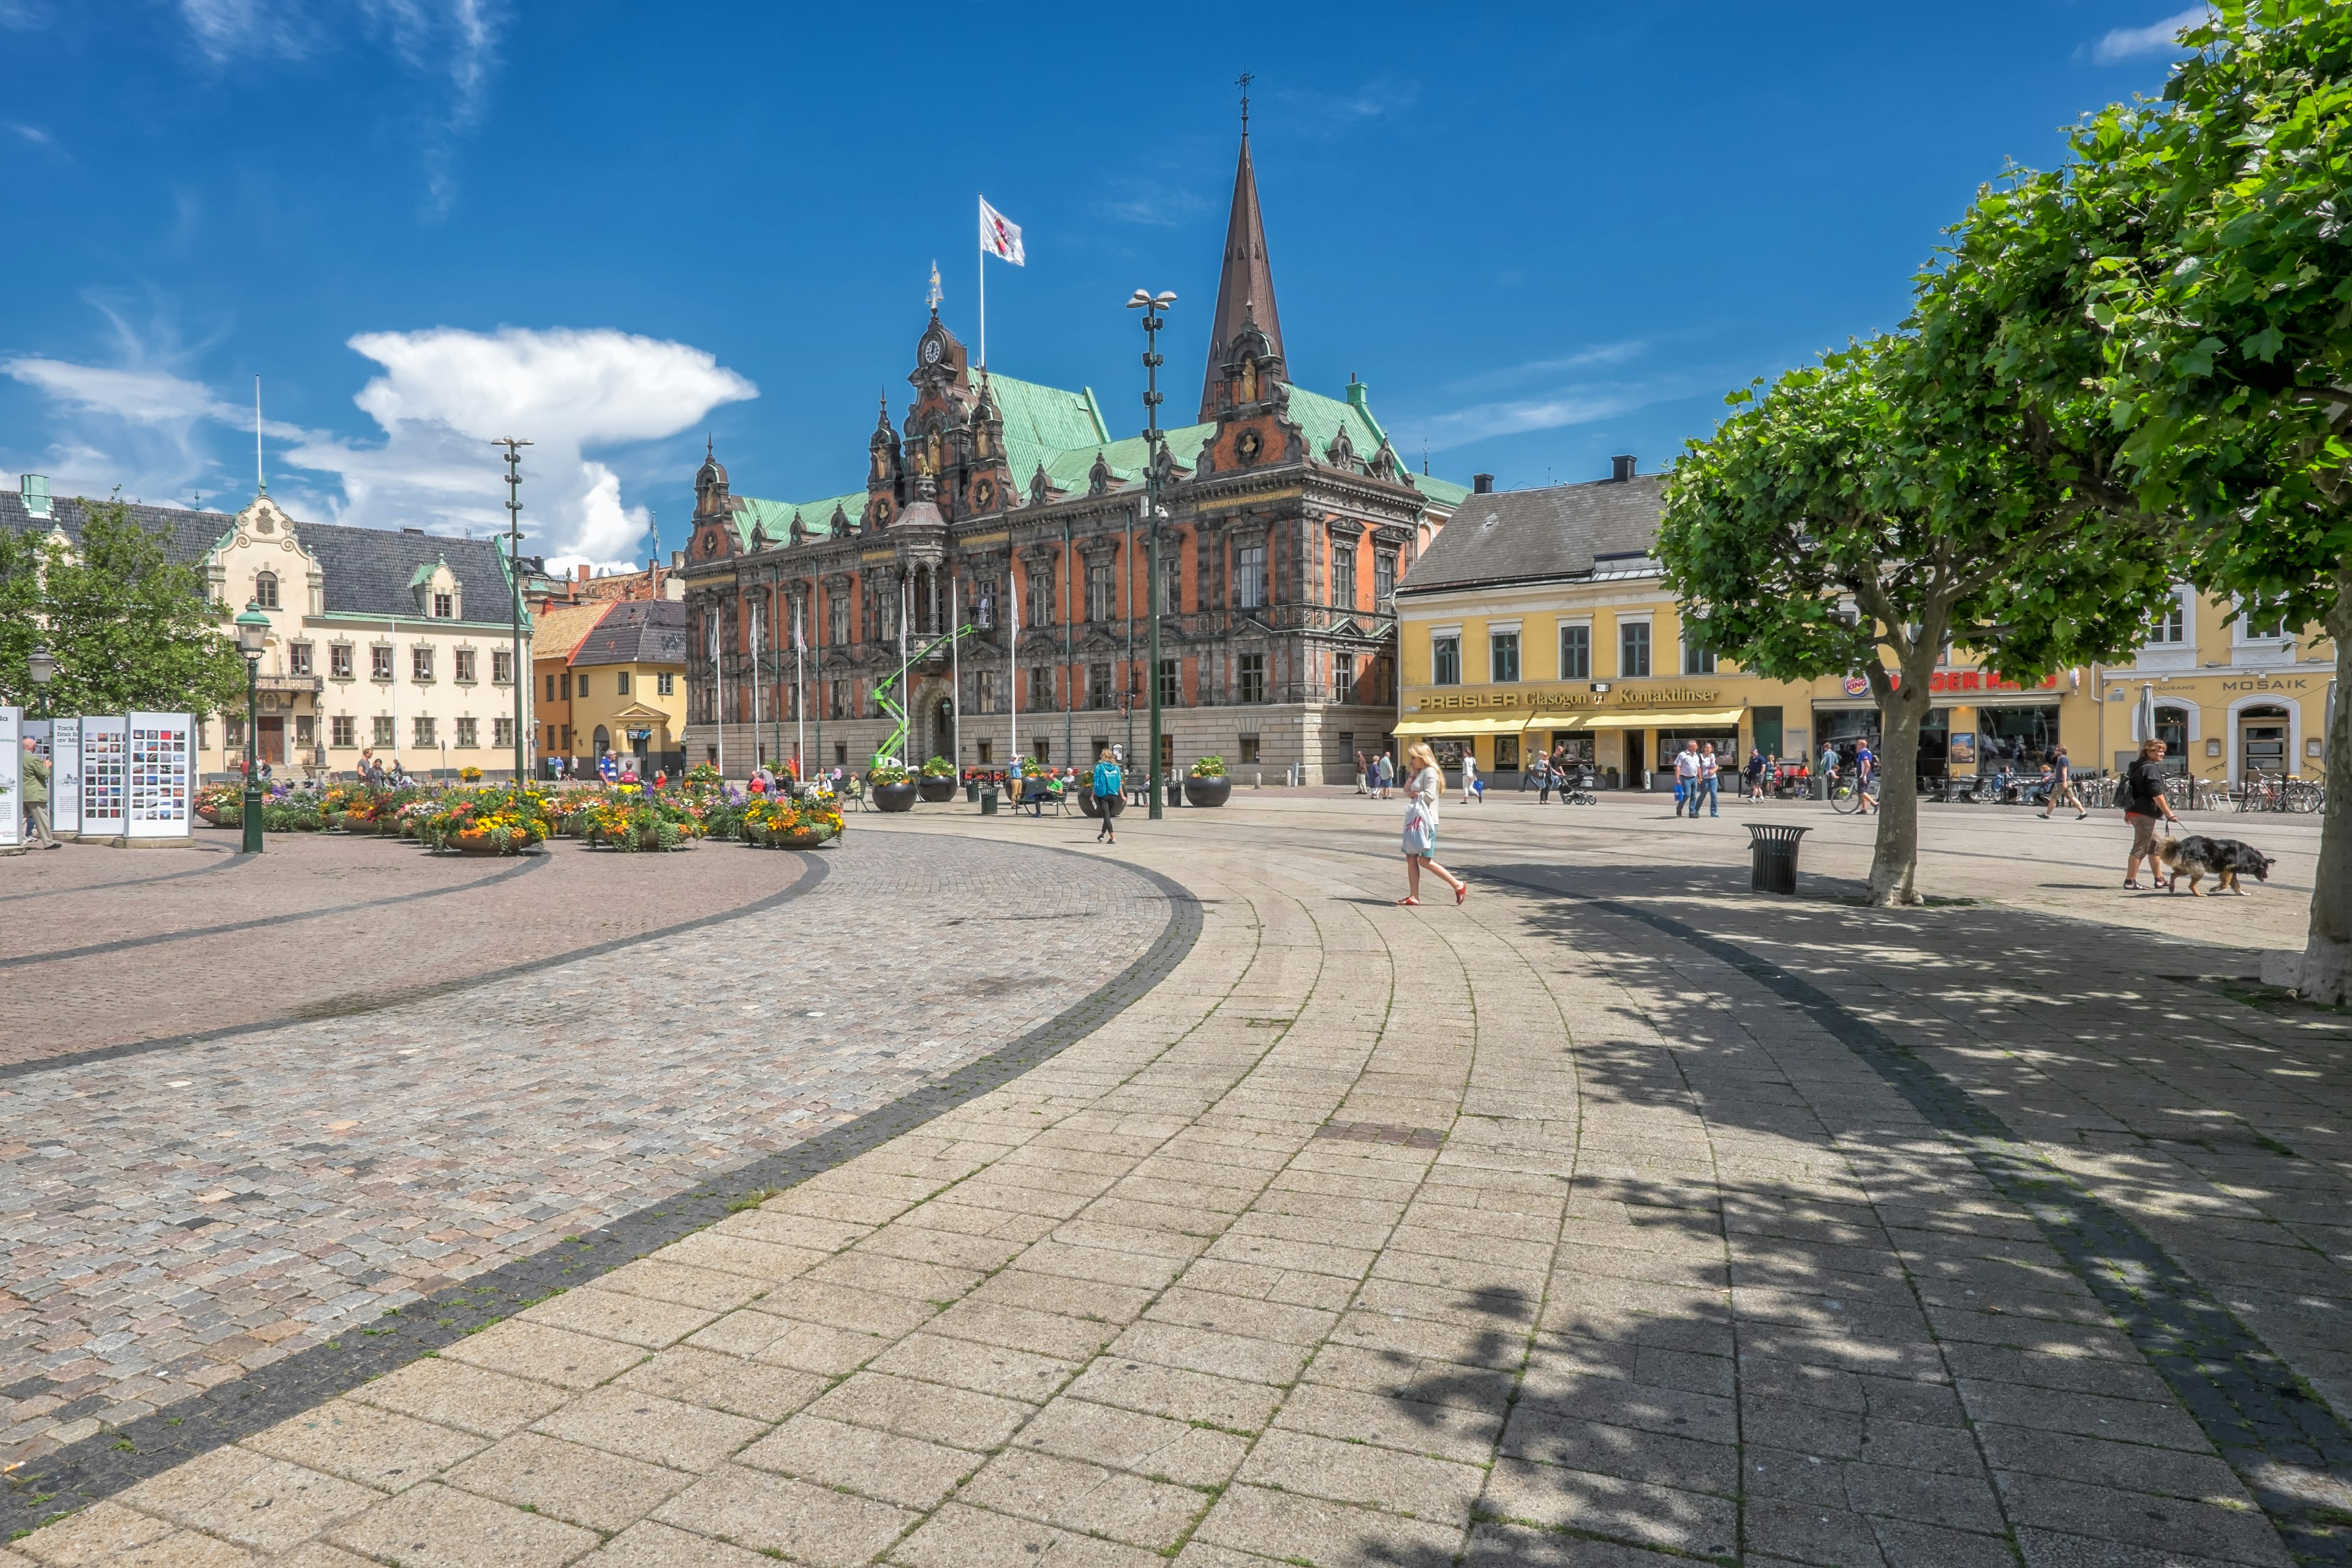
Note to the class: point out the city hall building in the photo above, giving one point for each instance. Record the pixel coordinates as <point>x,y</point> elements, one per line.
<point>1541,619</point>
<point>1290,521</point>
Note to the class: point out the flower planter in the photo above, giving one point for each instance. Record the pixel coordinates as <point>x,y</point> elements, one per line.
<point>1093,807</point>
<point>1208,792</point>
<point>935,790</point>
<point>798,838</point>
<point>896,796</point>
<point>465,845</point>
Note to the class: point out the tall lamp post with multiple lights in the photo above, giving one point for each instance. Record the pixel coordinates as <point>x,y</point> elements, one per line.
<point>252,632</point>
<point>1154,460</point>
<point>42,666</point>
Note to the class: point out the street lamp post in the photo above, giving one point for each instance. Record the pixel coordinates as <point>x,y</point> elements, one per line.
<point>252,631</point>
<point>1154,455</point>
<point>42,666</point>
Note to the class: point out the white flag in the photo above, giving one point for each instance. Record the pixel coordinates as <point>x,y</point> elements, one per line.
<point>999,236</point>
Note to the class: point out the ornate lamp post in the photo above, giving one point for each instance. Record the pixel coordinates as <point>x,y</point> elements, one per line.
<point>252,631</point>
<point>42,666</point>
<point>1154,461</point>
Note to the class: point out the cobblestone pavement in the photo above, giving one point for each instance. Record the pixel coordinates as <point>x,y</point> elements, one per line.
<point>1617,1217</point>
<point>321,925</point>
<point>176,1217</point>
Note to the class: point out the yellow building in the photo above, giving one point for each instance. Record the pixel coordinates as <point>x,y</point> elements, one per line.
<point>1541,619</point>
<point>625,687</point>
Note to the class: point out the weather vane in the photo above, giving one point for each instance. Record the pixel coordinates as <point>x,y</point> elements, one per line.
<point>1243,81</point>
<point>934,300</point>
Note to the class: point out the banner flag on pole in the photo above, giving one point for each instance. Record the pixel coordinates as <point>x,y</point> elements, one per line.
<point>999,236</point>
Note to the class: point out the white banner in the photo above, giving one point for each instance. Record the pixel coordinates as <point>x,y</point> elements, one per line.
<point>64,775</point>
<point>161,778</point>
<point>12,777</point>
<point>105,744</point>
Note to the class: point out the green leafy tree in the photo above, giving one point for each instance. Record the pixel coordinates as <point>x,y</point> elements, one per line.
<point>130,627</point>
<point>1863,514</point>
<point>21,565</point>
<point>2224,284</point>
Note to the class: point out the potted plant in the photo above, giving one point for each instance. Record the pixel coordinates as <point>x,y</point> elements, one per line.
<point>790,824</point>
<point>893,789</point>
<point>1208,785</point>
<point>221,804</point>
<point>938,781</point>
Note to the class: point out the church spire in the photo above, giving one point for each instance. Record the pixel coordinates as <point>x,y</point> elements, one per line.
<point>1245,285</point>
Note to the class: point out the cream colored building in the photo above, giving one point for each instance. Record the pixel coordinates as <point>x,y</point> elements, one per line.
<point>1541,619</point>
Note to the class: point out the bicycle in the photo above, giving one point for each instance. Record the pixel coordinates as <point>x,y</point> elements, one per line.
<point>1846,797</point>
<point>2301,796</point>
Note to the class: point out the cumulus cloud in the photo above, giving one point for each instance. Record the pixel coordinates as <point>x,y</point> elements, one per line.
<point>444,394</point>
<point>2155,38</point>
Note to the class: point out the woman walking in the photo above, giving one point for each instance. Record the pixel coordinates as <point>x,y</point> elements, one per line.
<point>1424,782</point>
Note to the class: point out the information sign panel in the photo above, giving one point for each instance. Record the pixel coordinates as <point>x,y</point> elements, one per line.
<point>160,768</point>
<point>64,775</point>
<point>105,750</point>
<point>12,779</point>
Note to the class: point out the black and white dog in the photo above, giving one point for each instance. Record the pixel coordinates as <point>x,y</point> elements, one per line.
<point>2197,857</point>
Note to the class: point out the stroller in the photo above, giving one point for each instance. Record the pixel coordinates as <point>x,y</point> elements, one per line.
<point>1576,788</point>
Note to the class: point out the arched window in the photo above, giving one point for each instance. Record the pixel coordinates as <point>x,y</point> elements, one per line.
<point>265,590</point>
<point>2172,729</point>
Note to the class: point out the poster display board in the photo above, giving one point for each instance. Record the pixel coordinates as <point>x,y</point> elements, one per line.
<point>105,750</point>
<point>160,769</point>
<point>64,775</point>
<point>12,777</point>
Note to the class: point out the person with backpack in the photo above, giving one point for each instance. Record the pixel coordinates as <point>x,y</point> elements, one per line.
<point>1109,781</point>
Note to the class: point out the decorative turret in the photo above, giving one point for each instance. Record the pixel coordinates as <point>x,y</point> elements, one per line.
<point>885,458</point>
<point>711,495</point>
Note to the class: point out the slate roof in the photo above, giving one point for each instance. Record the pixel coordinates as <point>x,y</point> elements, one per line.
<point>1522,536</point>
<point>639,631</point>
<point>368,571</point>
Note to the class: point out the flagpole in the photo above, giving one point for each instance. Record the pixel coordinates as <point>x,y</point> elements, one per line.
<point>1013,658</point>
<point>799,702</point>
<point>905,592</point>
<point>719,690</point>
<point>755,685</point>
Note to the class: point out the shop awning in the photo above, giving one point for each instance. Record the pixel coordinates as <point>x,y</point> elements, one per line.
<point>1509,726</point>
<point>1626,718</point>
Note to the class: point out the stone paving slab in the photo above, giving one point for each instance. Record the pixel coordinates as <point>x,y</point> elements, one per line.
<point>1682,1276</point>
<point>187,1214</point>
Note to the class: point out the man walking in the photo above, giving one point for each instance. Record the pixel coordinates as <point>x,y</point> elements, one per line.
<point>2061,787</point>
<point>1864,765</point>
<point>1686,766</point>
<point>1108,783</point>
<point>1710,770</point>
<point>36,785</point>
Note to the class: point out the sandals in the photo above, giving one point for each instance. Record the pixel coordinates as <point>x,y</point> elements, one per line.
<point>2134,887</point>
<point>1461,892</point>
<point>1408,904</point>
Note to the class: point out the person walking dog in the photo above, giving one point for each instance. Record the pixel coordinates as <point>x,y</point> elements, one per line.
<point>2144,807</point>
<point>1424,785</point>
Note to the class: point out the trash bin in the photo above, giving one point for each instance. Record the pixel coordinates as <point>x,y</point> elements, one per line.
<point>1773,856</point>
<point>988,801</point>
<point>970,791</point>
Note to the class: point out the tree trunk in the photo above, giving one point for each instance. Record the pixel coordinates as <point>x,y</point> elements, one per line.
<point>1902,709</point>
<point>2327,952</point>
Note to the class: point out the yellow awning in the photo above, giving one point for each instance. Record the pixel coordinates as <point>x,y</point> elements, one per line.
<point>1464,726</point>
<point>1628,719</point>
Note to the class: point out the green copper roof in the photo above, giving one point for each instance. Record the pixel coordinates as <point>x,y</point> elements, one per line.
<point>1061,431</point>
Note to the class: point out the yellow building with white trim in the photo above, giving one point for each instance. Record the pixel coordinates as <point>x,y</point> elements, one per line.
<point>1541,620</point>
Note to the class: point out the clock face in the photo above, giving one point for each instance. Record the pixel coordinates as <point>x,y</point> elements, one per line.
<point>932,350</point>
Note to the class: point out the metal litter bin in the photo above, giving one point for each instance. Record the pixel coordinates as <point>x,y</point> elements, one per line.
<point>970,791</point>
<point>1773,856</point>
<point>988,800</point>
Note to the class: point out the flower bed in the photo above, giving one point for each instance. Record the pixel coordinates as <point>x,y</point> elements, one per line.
<point>790,824</point>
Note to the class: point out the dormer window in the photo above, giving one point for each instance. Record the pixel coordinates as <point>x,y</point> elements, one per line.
<point>265,590</point>
<point>444,607</point>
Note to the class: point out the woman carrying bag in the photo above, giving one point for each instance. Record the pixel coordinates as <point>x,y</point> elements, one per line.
<point>1424,783</point>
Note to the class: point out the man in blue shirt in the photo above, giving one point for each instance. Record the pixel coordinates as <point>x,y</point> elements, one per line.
<point>1108,784</point>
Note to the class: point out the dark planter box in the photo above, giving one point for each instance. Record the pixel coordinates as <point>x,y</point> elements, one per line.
<point>1208,792</point>
<point>936,790</point>
<point>896,796</point>
<point>1093,807</point>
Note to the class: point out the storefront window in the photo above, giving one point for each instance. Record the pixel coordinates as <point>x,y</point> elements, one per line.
<point>2015,738</point>
<point>1575,745</point>
<point>1507,752</point>
<point>1726,746</point>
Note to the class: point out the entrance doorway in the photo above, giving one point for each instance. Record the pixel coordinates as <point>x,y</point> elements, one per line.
<point>1634,759</point>
<point>2261,741</point>
<point>272,736</point>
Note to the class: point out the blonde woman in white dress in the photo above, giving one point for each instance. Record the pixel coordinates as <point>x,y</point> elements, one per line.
<point>1424,782</point>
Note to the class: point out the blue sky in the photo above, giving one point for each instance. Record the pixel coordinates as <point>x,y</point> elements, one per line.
<point>1542,234</point>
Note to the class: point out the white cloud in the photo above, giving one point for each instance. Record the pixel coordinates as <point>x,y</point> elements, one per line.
<point>444,394</point>
<point>1459,428</point>
<point>151,397</point>
<point>2155,38</point>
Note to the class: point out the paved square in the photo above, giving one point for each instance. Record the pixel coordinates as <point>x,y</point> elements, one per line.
<point>1619,1216</point>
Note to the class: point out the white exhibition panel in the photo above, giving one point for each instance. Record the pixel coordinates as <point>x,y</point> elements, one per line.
<point>105,755</point>
<point>160,770</point>
<point>12,777</point>
<point>65,774</point>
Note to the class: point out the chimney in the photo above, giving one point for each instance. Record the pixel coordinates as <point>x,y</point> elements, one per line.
<point>581,572</point>
<point>1621,469</point>
<point>1482,484</point>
